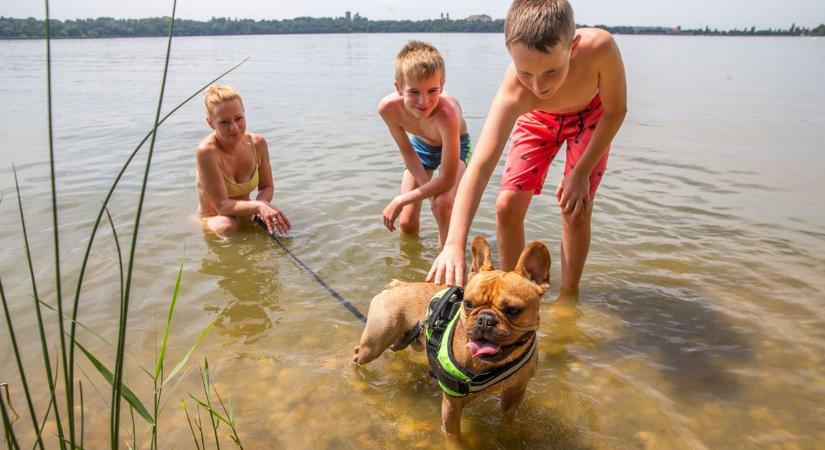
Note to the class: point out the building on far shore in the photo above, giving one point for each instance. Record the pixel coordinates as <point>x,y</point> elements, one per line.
<point>479,18</point>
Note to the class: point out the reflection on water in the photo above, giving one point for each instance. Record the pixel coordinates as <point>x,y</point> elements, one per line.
<point>244,272</point>
<point>700,322</point>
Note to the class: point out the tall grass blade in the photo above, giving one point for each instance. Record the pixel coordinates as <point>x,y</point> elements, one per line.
<point>11,439</point>
<point>108,197</point>
<point>52,403</point>
<point>165,341</point>
<point>121,341</point>
<point>69,384</point>
<point>188,355</point>
<point>189,421</point>
<point>119,253</point>
<point>6,391</point>
<point>19,361</point>
<point>101,338</point>
<point>124,390</point>
<point>208,405</point>
<point>44,343</point>
<point>82,413</point>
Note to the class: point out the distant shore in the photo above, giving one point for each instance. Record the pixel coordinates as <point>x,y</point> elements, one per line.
<point>106,27</point>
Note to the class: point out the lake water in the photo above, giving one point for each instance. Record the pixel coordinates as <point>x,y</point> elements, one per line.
<point>702,319</point>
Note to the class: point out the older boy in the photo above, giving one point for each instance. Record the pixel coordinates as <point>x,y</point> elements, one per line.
<point>564,85</point>
<point>419,106</point>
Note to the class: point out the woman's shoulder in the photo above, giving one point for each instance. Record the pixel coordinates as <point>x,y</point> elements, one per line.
<point>257,139</point>
<point>206,148</point>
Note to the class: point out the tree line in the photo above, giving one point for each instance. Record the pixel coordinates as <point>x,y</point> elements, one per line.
<point>105,27</point>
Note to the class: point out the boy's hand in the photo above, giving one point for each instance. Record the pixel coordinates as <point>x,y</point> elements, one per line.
<point>391,212</point>
<point>573,194</point>
<point>449,266</point>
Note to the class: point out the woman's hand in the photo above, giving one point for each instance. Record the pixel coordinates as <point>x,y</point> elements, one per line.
<point>391,212</point>
<point>448,266</point>
<point>273,218</point>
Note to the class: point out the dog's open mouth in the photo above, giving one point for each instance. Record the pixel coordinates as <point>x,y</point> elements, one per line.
<point>480,348</point>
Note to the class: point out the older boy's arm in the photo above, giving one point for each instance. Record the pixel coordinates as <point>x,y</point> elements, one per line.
<point>574,195</point>
<point>449,266</point>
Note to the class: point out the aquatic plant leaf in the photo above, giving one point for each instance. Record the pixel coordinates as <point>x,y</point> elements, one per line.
<point>125,392</point>
<point>188,355</point>
<point>165,341</point>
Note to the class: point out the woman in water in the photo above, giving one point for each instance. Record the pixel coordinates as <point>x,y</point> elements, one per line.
<point>230,164</point>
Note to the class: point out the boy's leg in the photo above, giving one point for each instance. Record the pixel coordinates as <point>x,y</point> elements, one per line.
<point>575,245</point>
<point>442,206</point>
<point>408,220</point>
<point>511,208</point>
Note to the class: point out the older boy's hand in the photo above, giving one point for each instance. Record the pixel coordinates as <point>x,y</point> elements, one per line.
<point>449,266</point>
<point>573,194</point>
<point>391,212</point>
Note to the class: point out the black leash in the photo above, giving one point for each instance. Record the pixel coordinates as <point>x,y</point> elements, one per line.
<point>346,303</point>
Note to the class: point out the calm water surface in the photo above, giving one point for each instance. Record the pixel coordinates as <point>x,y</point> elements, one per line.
<point>701,323</point>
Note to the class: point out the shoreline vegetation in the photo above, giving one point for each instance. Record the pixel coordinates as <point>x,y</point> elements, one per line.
<point>107,27</point>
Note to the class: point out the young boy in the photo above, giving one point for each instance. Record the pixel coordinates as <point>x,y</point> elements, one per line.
<point>419,106</point>
<point>564,85</point>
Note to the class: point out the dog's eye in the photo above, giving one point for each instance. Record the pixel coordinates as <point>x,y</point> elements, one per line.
<point>468,304</point>
<point>512,311</point>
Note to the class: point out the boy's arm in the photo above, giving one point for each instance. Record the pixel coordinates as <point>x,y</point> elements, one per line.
<point>408,155</point>
<point>449,129</point>
<point>574,191</point>
<point>507,106</point>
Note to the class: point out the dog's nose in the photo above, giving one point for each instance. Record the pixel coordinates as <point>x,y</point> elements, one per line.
<point>486,320</point>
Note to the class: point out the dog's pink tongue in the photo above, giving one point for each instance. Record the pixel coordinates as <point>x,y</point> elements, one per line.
<point>482,347</point>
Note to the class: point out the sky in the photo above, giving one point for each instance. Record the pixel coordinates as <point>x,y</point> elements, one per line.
<point>722,14</point>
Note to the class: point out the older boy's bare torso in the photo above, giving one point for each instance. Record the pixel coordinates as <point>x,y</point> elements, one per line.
<point>581,83</point>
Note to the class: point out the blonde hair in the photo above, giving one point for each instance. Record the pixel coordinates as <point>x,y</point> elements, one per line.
<point>539,24</point>
<point>219,93</point>
<point>418,61</point>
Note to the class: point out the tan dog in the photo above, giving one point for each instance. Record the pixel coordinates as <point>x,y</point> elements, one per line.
<point>494,331</point>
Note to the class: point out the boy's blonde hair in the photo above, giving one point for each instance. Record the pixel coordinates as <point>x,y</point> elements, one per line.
<point>539,24</point>
<point>218,93</point>
<point>418,61</point>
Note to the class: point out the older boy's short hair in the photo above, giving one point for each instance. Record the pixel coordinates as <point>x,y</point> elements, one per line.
<point>418,61</point>
<point>219,93</point>
<point>539,24</point>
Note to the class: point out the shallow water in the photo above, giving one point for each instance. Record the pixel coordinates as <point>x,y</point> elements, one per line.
<point>701,321</point>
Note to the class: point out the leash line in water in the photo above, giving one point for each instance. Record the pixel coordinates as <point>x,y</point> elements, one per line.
<point>344,302</point>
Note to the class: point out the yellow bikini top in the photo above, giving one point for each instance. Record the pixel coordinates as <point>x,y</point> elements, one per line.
<point>235,189</point>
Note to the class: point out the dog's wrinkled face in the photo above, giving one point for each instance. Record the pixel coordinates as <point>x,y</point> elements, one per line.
<point>501,309</point>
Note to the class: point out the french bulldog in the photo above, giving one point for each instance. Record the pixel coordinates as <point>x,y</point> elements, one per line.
<point>495,331</point>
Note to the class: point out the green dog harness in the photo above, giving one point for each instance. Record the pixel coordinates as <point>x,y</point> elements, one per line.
<point>439,327</point>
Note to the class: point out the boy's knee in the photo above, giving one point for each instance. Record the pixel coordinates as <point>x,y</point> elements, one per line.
<point>572,220</point>
<point>506,210</point>
<point>442,206</point>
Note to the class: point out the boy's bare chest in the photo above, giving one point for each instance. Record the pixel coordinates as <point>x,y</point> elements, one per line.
<point>423,129</point>
<point>574,94</point>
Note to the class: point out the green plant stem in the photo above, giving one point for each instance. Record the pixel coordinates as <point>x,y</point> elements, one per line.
<point>19,361</point>
<point>82,412</point>
<point>11,439</point>
<point>124,313</point>
<point>66,373</point>
<point>44,343</point>
<point>206,384</point>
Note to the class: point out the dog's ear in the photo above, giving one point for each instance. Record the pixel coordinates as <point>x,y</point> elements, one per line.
<point>534,264</point>
<point>481,255</point>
